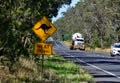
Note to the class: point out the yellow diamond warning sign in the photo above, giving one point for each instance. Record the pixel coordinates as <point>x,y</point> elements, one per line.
<point>44,28</point>
<point>43,48</point>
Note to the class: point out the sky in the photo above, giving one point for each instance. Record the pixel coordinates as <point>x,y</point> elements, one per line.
<point>64,8</point>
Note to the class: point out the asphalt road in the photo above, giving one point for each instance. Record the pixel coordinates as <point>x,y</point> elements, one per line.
<point>103,67</point>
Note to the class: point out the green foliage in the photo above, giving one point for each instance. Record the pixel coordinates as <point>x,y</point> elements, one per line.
<point>67,37</point>
<point>95,43</point>
<point>108,42</point>
<point>17,17</point>
<point>97,20</point>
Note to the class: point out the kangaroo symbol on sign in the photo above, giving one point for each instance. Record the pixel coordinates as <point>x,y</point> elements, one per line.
<point>44,27</point>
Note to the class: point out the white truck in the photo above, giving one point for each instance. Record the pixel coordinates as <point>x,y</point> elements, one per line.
<point>77,42</point>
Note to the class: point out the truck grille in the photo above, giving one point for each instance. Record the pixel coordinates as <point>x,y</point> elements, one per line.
<point>79,44</point>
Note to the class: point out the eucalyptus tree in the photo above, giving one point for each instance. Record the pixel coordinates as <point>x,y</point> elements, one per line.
<point>115,19</point>
<point>98,20</point>
<point>97,16</point>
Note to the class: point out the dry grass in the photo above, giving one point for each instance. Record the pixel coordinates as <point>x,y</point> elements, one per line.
<point>68,43</point>
<point>4,72</point>
<point>25,68</point>
<point>105,50</point>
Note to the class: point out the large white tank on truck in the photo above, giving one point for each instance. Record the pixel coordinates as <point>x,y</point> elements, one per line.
<point>76,36</point>
<point>77,41</point>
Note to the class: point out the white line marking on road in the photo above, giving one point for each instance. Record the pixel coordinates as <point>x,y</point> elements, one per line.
<point>94,66</point>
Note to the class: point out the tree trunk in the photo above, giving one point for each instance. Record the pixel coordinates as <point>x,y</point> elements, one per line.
<point>101,42</point>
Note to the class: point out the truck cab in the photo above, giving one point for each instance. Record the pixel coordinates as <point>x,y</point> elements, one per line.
<point>77,42</point>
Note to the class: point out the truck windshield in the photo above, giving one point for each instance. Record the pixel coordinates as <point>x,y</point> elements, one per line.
<point>79,39</point>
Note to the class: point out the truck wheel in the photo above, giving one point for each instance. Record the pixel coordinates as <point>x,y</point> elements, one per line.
<point>112,55</point>
<point>82,49</point>
<point>71,48</point>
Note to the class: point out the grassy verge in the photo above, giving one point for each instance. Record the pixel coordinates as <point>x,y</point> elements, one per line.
<point>56,70</point>
<point>66,71</point>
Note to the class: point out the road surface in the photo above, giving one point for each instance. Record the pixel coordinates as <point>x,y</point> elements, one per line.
<point>103,67</point>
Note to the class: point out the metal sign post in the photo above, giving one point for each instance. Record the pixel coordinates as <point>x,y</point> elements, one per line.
<point>42,63</point>
<point>42,49</point>
<point>43,29</point>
